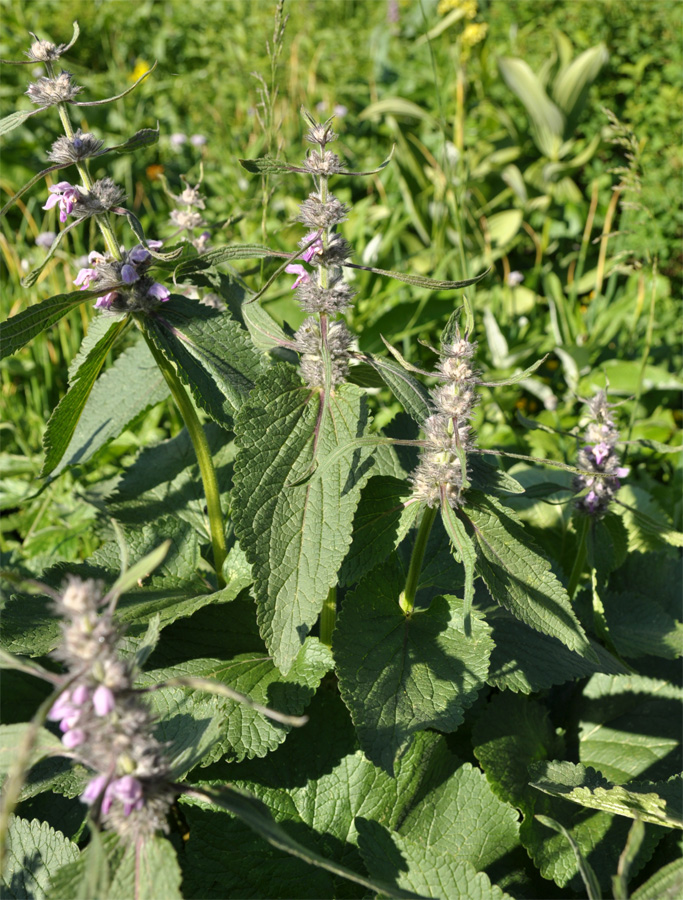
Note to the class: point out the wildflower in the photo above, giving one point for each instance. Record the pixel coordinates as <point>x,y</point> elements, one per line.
<point>443,466</point>
<point>309,343</point>
<point>315,249</point>
<point>104,196</point>
<point>66,150</point>
<point>107,726</point>
<point>45,51</point>
<point>177,139</point>
<point>45,239</point>
<point>467,7</point>
<point>513,279</point>
<point>340,110</point>
<point>66,195</point>
<point>474,33</point>
<point>159,292</point>
<point>301,273</point>
<point>198,140</point>
<point>599,455</point>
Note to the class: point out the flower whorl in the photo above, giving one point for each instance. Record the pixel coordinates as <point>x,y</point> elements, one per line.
<point>443,465</point>
<point>599,455</point>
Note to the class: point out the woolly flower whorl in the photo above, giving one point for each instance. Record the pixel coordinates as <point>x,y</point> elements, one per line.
<point>599,455</point>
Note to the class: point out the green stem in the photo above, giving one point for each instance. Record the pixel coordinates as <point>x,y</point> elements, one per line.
<point>328,617</point>
<point>407,599</point>
<point>579,561</point>
<point>201,449</point>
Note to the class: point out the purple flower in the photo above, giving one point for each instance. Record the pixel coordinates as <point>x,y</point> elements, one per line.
<point>601,452</point>
<point>66,195</point>
<point>93,789</point>
<point>61,708</point>
<point>197,140</point>
<point>73,738</point>
<point>84,277</point>
<point>129,792</point>
<point>315,249</point>
<point>80,695</point>
<point>159,291</point>
<point>514,279</point>
<point>340,110</point>
<point>128,274</point>
<point>106,300</point>
<point>103,700</point>
<point>140,254</point>
<point>177,139</point>
<point>298,269</point>
<point>45,239</point>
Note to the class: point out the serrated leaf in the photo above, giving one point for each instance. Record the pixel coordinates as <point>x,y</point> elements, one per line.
<point>212,353</point>
<point>381,522</point>
<point>90,875</point>
<point>525,661</point>
<point>667,884</point>
<point>396,859</point>
<point>296,535</point>
<point>109,410</point>
<point>517,577</point>
<point>34,853</point>
<point>488,479</point>
<point>63,421</point>
<point>585,786</point>
<point>514,732</point>
<point>264,330</point>
<point>465,553</point>
<point>413,396</point>
<point>400,673</point>
<point>18,330</point>
<point>585,869</point>
<point>630,727</point>
<point>45,744</point>
<point>218,255</point>
<point>145,137</point>
<point>647,525</point>
<point>638,626</point>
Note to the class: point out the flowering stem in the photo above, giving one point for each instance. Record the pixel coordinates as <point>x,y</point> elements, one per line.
<point>328,617</point>
<point>580,559</point>
<point>407,599</point>
<point>102,221</point>
<point>203,454</point>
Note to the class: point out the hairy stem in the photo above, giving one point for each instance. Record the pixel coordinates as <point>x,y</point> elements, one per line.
<point>407,599</point>
<point>203,454</point>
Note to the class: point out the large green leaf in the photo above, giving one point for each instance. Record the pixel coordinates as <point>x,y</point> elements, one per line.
<point>294,520</point>
<point>630,727</point>
<point>412,395</point>
<point>638,626</point>
<point>514,732</point>
<point>572,82</point>
<point>64,419</point>
<point>21,328</point>
<point>518,577</point>
<point>109,409</point>
<point>667,884</point>
<point>35,853</point>
<point>381,522</point>
<point>398,673</point>
<point>212,353</point>
<point>658,803</point>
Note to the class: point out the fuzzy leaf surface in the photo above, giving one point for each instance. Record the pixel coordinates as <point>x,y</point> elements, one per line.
<point>518,577</point>
<point>655,802</point>
<point>638,626</point>
<point>296,535</point>
<point>109,409</point>
<point>400,673</point>
<point>630,728</point>
<point>412,395</point>
<point>18,330</point>
<point>35,852</point>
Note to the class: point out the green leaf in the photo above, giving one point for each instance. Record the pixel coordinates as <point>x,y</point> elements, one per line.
<point>381,522</point>
<point>21,328</point>
<point>248,733</point>
<point>212,353</point>
<point>413,396</point>
<point>34,853</point>
<point>396,859</point>
<point>268,165</point>
<point>589,788</point>
<point>109,409</point>
<point>222,254</point>
<point>514,732</point>
<point>667,884</point>
<point>547,120</point>
<point>145,137</point>
<point>432,284</point>
<point>585,869</point>
<point>63,421</point>
<point>13,120</point>
<point>638,626</point>
<point>258,818</point>
<point>296,535</point>
<point>45,745</point>
<point>487,478</point>
<point>648,526</point>
<point>111,870</point>
<point>526,661</point>
<point>465,553</point>
<point>402,673</point>
<point>630,727</point>
<point>517,577</point>
<point>571,84</point>
<point>264,330</point>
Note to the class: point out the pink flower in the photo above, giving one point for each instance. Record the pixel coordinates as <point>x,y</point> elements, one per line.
<point>315,249</point>
<point>106,301</point>
<point>159,291</point>
<point>93,789</point>
<point>84,277</point>
<point>298,269</point>
<point>129,792</point>
<point>66,195</point>
<point>73,738</point>
<point>601,452</point>
<point>103,700</point>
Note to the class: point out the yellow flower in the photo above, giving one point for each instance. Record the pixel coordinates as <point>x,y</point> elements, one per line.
<point>474,33</point>
<point>141,66</point>
<point>468,7</point>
